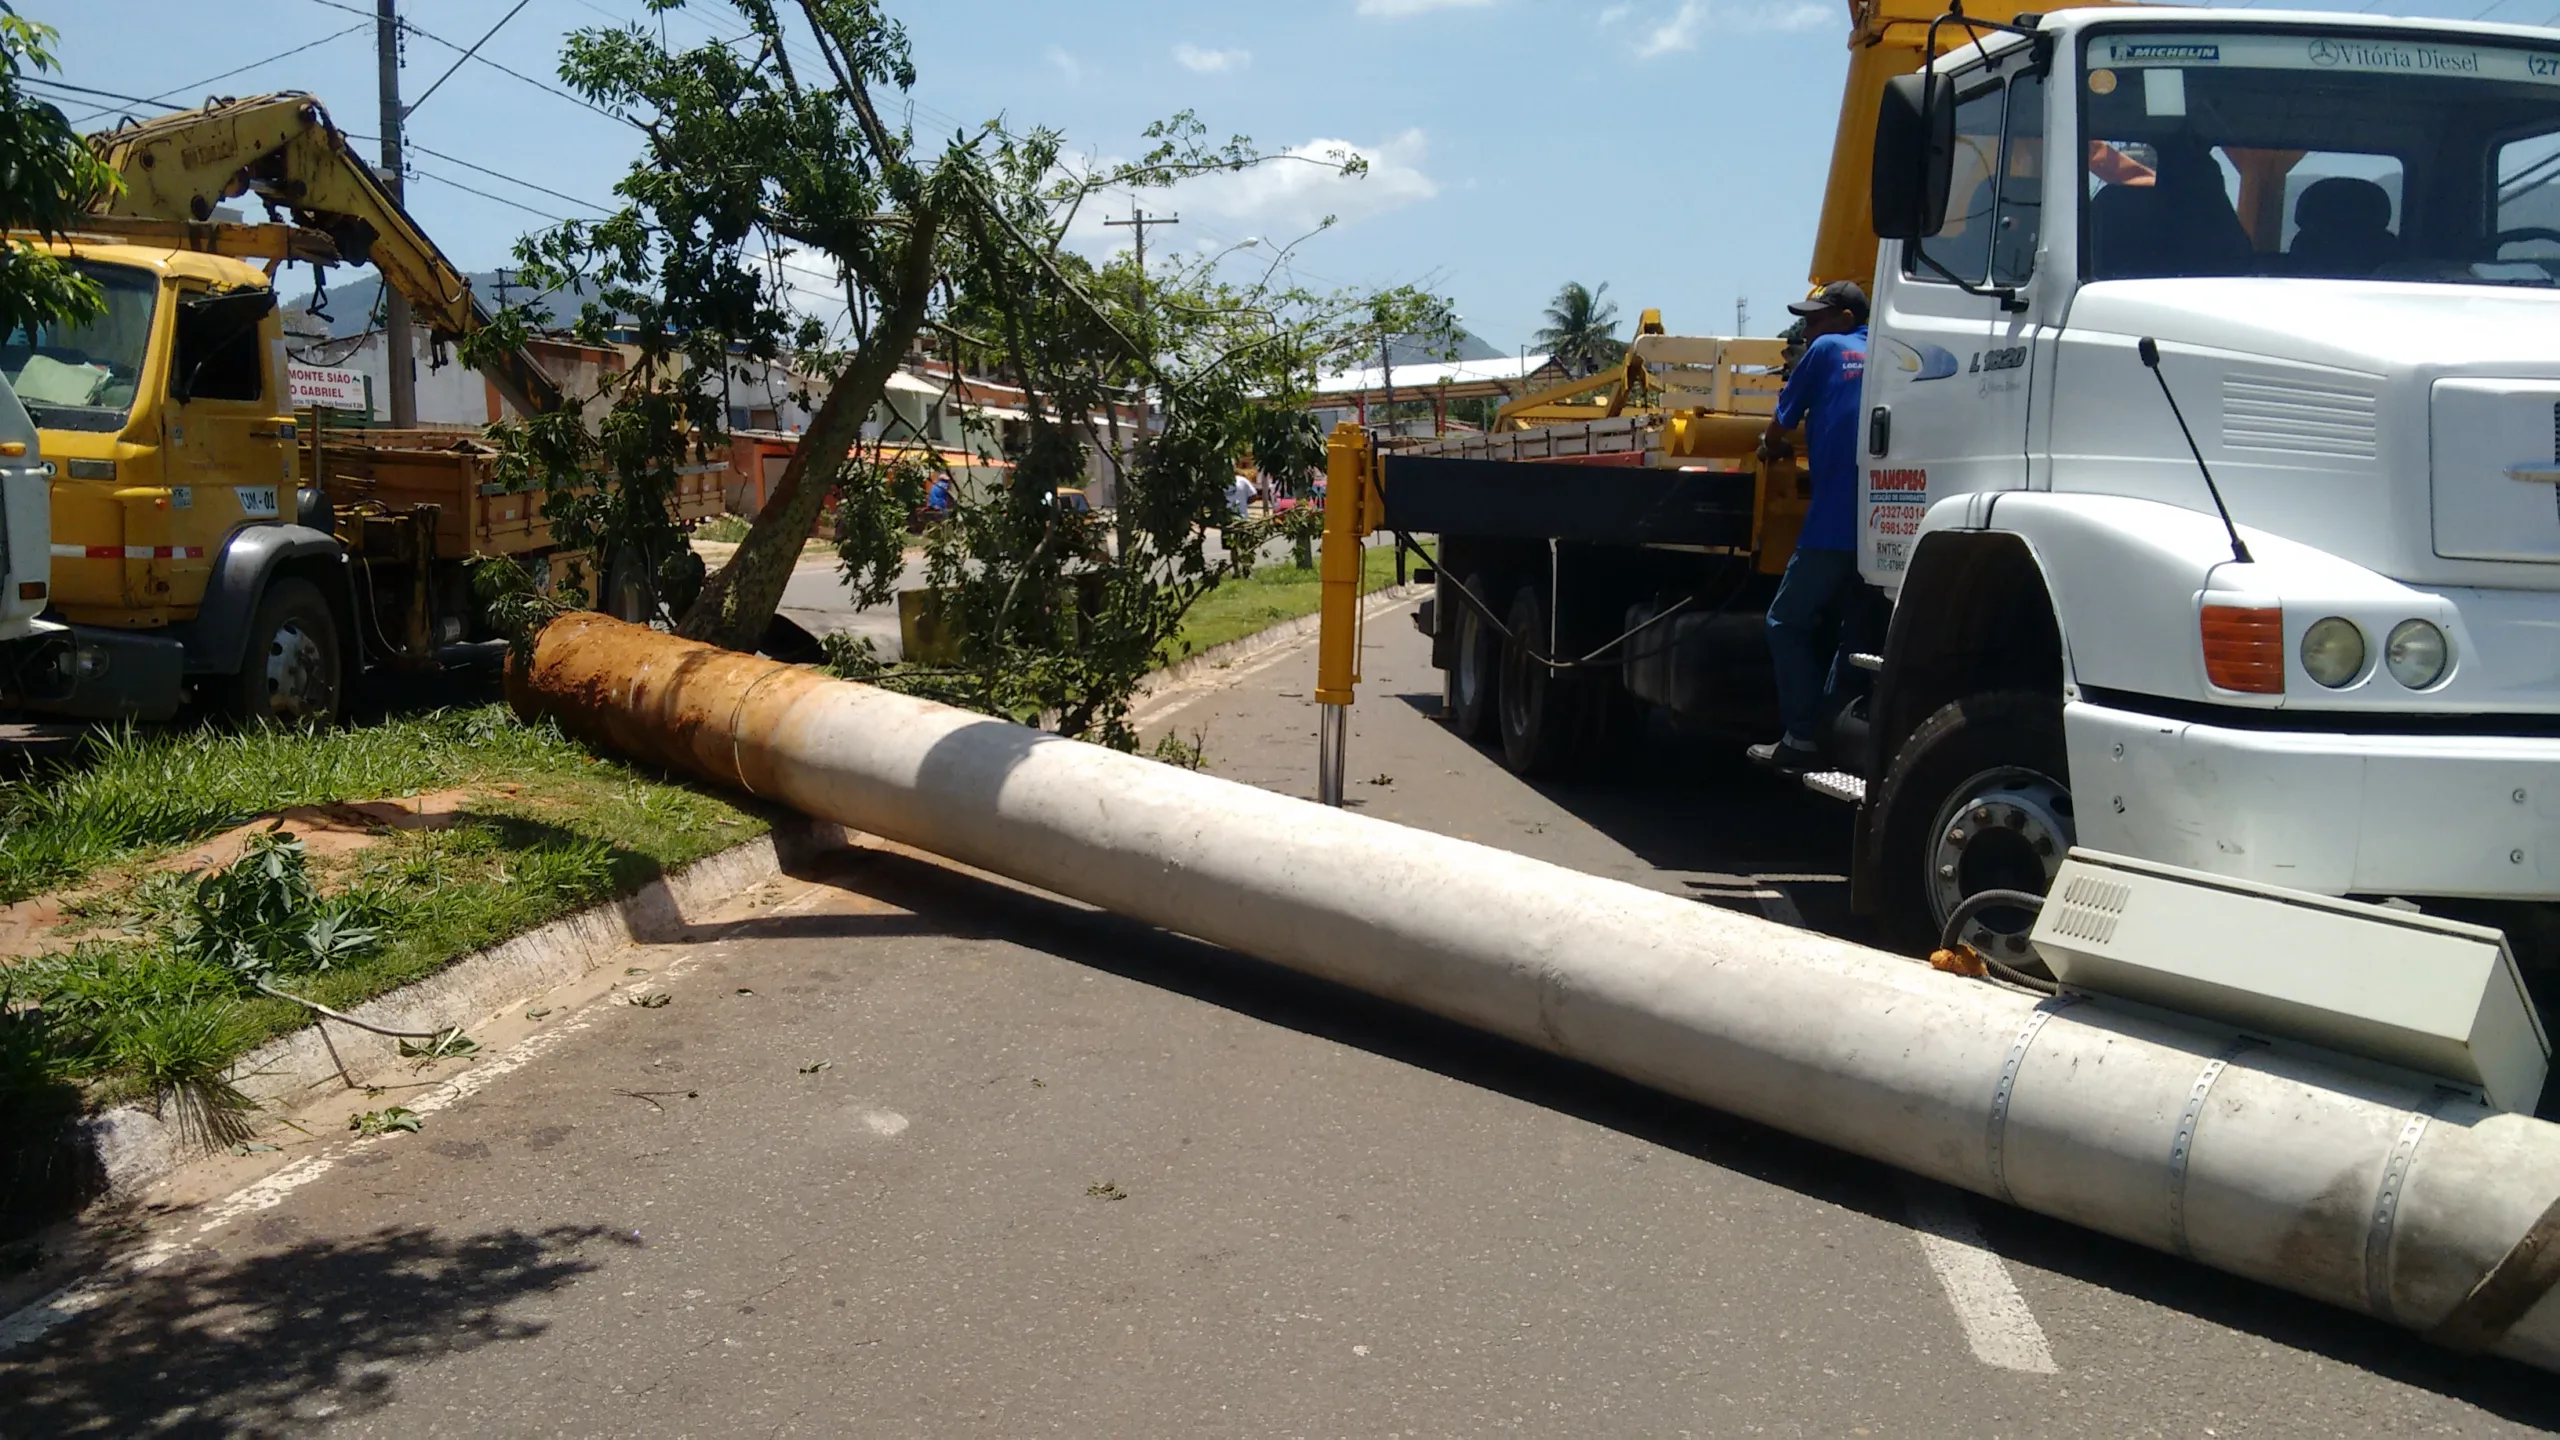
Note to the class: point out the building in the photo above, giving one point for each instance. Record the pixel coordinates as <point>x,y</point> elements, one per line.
<point>969,420</point>
<point>1351,394</point>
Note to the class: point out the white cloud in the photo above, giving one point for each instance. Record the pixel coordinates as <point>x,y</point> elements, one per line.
<point>1288,197</point>
<point>1681,29</point>
<point>1210,62</point>
<point>1066,65</point>
<point>1278,201</point>
<point>1399,9</point>
<point>1612,14</point>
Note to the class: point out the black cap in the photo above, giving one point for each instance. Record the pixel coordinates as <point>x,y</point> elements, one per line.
<point>1838,295</point>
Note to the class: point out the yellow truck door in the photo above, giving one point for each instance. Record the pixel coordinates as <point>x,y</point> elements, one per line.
<point>229,452</point>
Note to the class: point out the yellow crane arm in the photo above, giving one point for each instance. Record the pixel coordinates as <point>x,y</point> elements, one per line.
<point>283,149</point>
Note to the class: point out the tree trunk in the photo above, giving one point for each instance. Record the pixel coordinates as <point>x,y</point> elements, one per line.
<point>738,603</point>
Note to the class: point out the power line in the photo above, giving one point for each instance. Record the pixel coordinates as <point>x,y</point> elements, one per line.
<point>494,174</point>
<point>412,107</point>
<point>91,90</point>
<point>163,96</point>
<point>485,195</point>
<point>468,54</point>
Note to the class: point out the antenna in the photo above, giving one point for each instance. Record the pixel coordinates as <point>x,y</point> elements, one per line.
<point>2149,349</point>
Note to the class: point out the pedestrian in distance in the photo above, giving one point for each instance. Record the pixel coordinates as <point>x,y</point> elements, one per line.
<point>1821,393</point>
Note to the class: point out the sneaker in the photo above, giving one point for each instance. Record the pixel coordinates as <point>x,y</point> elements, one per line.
<point>1788,756</point>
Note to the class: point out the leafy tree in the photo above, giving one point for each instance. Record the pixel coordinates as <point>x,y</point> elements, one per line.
<point>1581,330</point>
<point>48,180</point>
<point>759,165</point>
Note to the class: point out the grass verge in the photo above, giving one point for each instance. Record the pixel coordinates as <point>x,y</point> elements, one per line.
<point>723,529</point>
<point>1276,591</point>
<point>151,1008</point>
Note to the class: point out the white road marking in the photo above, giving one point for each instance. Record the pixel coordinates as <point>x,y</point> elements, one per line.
<point>1180,696</point>
<point>1997,1323</point>
<point>1777,904</point>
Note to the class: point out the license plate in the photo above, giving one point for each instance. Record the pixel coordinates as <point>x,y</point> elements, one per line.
<point>258,502</point>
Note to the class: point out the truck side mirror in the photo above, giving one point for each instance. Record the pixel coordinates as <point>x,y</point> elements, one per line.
<point>1915,156</point>
<point>208,326</point>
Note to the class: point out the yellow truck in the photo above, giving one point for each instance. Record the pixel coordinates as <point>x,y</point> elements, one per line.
<point>204,547</point>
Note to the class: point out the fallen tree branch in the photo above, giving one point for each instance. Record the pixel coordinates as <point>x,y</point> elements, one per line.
<point>441,1038</point>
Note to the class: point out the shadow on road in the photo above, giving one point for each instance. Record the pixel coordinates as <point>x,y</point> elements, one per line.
<point>1687,802</point>
<point>285,1339</point>
<point>952,902</point>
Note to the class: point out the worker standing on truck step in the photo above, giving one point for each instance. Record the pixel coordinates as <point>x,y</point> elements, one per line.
<point>1822,394</point>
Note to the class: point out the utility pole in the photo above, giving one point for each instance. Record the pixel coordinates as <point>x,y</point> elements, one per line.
<point>1741,314</point>
<point>398,346</point>
<point>1136,225</point>
<point>1387,378</point>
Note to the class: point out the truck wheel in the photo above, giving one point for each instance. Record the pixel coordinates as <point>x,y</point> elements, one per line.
<point>1475,671</point>
<point>1536,705</point>
<point>628,595</point>
<point>291,672</point>
<point>1979,798</point>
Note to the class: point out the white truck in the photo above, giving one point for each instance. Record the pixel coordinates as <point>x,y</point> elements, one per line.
<point>2318,647</point>
<point>27,642</point>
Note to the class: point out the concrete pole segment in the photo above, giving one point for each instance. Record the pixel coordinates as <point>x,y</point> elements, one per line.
<point>2280,1167</point>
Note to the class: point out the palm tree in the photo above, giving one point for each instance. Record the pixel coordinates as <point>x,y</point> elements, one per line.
<point>1581,330</point>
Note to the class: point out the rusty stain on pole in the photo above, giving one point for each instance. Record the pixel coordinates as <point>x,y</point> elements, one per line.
<point>684,705</point>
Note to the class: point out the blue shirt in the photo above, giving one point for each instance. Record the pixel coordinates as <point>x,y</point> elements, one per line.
<point>1826,382</point>
<point>939,496</point>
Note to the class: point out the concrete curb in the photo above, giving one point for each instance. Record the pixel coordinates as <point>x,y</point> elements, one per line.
<point>1245,647</point>
<point>134,1147</point>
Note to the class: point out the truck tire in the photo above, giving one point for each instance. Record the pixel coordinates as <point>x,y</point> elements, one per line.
<point>628,594</point>
<point>292,671</point>
<point>1979,798</point>
<point>1535,705</point>
<point>1475,671</point>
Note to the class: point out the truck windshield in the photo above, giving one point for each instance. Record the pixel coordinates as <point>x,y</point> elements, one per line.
<point>85,376</point>
<point>2320,155</point>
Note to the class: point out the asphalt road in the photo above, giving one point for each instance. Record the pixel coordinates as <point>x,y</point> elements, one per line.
<point>912,1151</point>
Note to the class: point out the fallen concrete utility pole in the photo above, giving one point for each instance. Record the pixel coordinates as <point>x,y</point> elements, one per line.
<point>2428,1212</point>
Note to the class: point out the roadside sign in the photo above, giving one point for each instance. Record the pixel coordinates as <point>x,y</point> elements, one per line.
<point>337,389</point>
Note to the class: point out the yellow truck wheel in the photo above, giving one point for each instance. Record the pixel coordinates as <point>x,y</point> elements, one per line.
<point>293,671</point>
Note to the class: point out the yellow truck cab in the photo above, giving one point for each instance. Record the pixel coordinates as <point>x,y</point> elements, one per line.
<point>181,568</point>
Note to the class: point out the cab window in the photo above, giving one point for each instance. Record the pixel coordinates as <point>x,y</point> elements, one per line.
<point>2528,198</point>
<point>1995,203</point>
<point>219,354</point>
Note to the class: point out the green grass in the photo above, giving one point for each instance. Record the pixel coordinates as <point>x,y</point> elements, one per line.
<point>723,529</point>
<point>1276,591</point>
<point>142,1014</point>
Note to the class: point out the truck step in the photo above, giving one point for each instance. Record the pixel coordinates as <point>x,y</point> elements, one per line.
<point>1837,785</point>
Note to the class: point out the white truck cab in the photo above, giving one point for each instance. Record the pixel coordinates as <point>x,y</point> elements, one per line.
<point>26,537</point>
<point>2340,237</point>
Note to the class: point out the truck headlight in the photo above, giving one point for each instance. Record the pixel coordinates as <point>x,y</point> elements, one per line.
<point>2333,651</point>
<point>2416,654</point>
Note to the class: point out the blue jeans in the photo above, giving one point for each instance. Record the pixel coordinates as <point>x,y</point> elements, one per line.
<point>1802,623</point>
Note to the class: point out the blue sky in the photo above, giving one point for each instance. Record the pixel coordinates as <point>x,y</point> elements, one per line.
<point>1672,148</point>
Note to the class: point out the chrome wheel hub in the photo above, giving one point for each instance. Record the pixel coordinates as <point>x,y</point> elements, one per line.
<point>297,675</point>
<point>2005,829</point>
